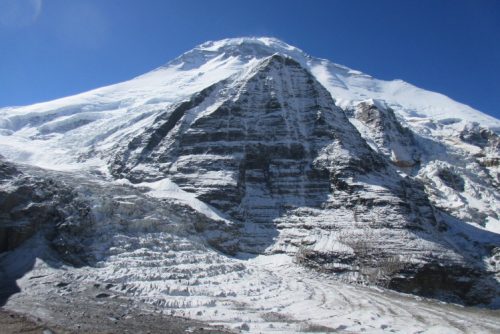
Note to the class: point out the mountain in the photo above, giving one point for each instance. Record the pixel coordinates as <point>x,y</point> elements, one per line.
<point>245,175</point>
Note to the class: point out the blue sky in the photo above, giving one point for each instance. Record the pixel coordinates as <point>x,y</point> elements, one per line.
<point>55,48</point>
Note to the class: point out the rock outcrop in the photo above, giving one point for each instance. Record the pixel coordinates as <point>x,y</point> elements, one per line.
<point>380,126</point>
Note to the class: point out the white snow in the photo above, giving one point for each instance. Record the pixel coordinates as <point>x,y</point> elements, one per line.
<point>167,189</point>
<point>349,89</point>
<point>268,293</point>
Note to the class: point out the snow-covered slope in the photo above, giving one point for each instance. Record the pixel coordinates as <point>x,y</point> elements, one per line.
<point>255,149</point>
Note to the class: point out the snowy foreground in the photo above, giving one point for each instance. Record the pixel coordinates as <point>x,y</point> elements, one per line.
<point>266,294</point>
<point>249,185</point>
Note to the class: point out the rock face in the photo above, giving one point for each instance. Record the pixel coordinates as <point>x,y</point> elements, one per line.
<point>265,147</point>
<point>489,142</point>
<point>266,162</point>
<point>394,141</point>
<point>33,205</point>
<point>481,137</point>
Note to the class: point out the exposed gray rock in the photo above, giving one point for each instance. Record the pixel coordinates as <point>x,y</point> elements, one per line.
<point>394,141</point>
<point>32,205</point>
<point>489,142</point>
<point>451,180</point>
<point>479,136</point>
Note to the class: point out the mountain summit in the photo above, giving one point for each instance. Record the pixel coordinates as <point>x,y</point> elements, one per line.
<point>242,168</point>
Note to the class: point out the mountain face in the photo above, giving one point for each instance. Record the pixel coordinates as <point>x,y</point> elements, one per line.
<point>248,150</point>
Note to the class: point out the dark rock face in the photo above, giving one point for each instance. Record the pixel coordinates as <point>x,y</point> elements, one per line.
<point>142,147</point>
<point>7,170</point>
<point>265,141</point>
<point>489,142</point>
<point>37,205</point>
<point>394,141</point>
<point>481,137</point>
<point>451,179</point>
<point>454,283</point>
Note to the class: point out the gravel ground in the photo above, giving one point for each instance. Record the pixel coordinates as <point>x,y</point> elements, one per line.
<point>13,322</point>
<point>92,309</point>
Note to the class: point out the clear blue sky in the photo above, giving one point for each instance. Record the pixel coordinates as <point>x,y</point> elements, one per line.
<point>55,48</point>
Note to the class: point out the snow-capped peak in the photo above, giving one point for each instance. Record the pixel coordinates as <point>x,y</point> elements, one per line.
<point>244,49</point>
<point>348,87</point>
<point>270,42</point>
